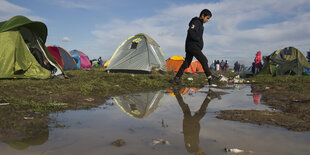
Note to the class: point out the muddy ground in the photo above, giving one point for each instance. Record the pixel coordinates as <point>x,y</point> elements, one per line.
<point>31,101</point>
<point>290,103</point>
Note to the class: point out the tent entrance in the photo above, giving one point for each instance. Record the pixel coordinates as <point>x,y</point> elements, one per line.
<point>35,46</point>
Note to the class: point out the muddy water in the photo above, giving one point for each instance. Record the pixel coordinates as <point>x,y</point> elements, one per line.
<point>163,122</point>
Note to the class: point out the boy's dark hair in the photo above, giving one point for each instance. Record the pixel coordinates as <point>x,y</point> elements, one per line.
<point>205,12</point>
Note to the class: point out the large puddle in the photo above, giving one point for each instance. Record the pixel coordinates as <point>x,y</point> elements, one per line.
<point>162,122</point>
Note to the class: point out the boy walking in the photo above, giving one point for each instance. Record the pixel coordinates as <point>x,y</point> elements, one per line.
<point>194,45</point>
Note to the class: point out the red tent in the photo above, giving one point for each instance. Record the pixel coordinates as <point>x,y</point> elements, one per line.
<point>55,53</point>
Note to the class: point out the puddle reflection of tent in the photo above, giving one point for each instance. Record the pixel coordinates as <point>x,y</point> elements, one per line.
<point>182,91</point>
<point>139,105</point>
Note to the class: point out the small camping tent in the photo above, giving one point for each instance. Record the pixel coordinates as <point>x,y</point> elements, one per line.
<point>20,36</point>
<point>139,105</point>
<point>66,58</point>
<point>285,61</point>
<point>81,59</point>
<point>55,53</point>
<point>174,63</point>
<point>138,54</point>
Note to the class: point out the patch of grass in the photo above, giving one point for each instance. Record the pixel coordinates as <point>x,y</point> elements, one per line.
<point>268,79</point>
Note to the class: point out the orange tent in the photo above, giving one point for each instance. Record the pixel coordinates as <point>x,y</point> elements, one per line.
<point>174,63</point>
<point>182,91</point>
<point>197,67</point>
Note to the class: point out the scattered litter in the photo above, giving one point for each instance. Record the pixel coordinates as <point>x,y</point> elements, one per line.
<point>160,141</point>
<point>118,143</point>
<point>236,150</point>
<point>117,85</point>
<point>89,99</point>
<point>213,85</point>
<point>267,88</point>
<point>59,104</point>
<point>223,78</point>
<point>190,79</point>
<point>28,118</point>
<point>132,75</point>
<point>4,104</point>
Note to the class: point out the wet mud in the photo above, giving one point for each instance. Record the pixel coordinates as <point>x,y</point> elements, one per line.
<point>290,104</point>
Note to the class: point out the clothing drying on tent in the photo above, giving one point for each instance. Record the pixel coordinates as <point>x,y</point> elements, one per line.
<point>139,105</point>
<point>64,59</point>
<point>22,50</point>
<point>287,61</point>
<point>81,59</point>
<point>138,54</point>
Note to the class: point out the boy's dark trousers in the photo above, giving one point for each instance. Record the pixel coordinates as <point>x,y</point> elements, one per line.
<point>188,59</point>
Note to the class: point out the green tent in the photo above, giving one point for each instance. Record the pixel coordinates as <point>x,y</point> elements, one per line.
<point>16,60</point>
<point>287,61</point>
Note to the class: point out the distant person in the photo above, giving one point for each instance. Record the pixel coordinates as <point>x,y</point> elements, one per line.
<point>191,125</point>
<point>242,67</point>
<point>236,66</point>
<point>194,45</point>
<point>257,62</point>
<point>217,66</point>
<point>222,64</point>
<point>226,66</point>
<point>308,56</point>
<point>100,62</point>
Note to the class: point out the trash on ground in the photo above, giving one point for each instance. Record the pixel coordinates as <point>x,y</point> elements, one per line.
<point>236,150</point>
<point>59,104</point>
<point>213,85</point>
<point>28,118</point>
<point>4,104</point>
<point>223,78</point>
<point>267,87</point>
<point>190,79</point>
<point>118,143</point>
<point>89,99</point>
<point>160,141</point>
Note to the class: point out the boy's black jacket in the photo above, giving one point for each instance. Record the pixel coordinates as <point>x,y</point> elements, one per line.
<point>194,39</point>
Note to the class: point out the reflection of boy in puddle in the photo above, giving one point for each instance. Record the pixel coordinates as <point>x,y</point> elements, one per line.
<point>191,125</point>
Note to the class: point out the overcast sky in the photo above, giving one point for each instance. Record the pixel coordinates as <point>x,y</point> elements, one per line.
<point>236,31</point>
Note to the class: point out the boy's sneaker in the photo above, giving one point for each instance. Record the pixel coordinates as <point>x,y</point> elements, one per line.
<point>210,81</point>
<point>178,81</point>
